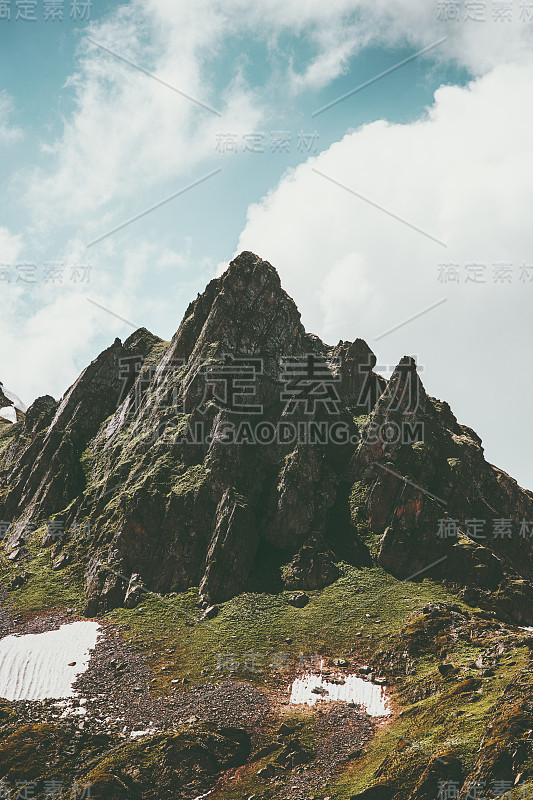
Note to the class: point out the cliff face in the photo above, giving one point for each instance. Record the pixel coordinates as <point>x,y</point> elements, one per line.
<point>189,464</point>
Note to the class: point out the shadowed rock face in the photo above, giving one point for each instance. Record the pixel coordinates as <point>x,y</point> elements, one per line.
<point>138,451</point>
<point>418,494</point>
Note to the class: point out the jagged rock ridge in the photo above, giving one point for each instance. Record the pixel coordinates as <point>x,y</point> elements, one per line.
<point>115,455</point>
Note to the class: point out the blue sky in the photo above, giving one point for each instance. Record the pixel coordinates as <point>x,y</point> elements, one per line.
<point>441,143</point>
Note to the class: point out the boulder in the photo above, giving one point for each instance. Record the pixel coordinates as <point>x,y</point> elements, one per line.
<point>298,600</point>
<point>311,568</point>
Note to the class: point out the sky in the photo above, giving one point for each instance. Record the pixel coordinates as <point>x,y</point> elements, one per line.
<point>378,154</point>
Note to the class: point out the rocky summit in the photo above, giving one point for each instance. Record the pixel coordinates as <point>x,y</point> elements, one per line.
<point>242,505</point>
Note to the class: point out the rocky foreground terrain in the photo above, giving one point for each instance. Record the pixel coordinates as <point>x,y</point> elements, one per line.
<point>242,505</point>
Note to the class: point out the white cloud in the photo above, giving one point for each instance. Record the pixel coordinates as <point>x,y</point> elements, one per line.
<point>49,332</point>
<point>47,336</point>
<point>8,132</point>
<point>10,246</point>
<point>464,175</point>
<point>342,28</point>
<point>129,134</point>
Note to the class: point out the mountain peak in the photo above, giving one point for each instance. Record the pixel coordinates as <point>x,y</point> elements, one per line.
<point>248,267</point>
<point>245,310</point>
<point>241,354</point>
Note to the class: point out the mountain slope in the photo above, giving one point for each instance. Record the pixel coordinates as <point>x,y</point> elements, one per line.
<point>178,512</point>
<point>240,464</point>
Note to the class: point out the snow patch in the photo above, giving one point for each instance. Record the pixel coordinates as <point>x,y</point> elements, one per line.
<point>8,413</point>
<point>147,732</point>
<point>350,689</point>
<point>13,399</point>
<point>37,666</point>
